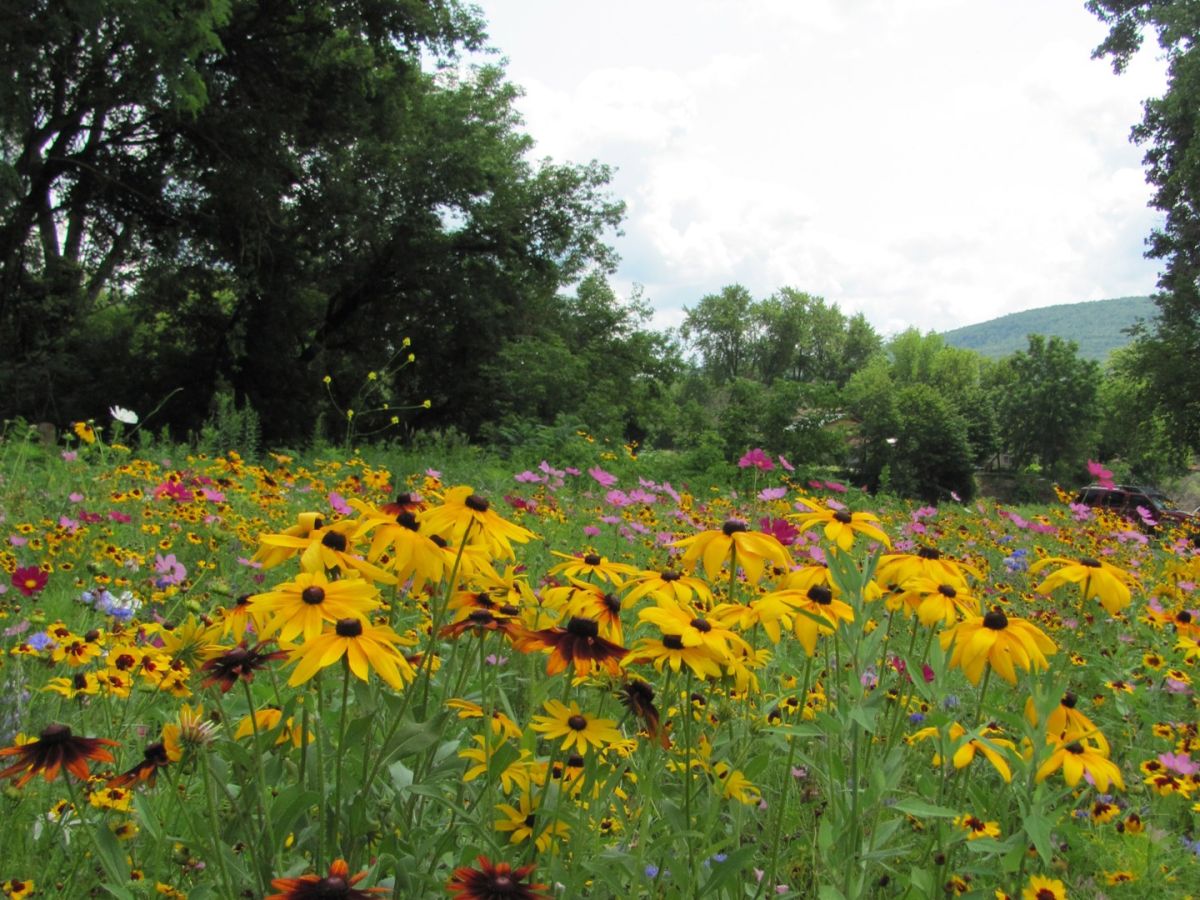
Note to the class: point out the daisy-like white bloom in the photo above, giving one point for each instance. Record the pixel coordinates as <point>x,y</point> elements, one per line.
<point>715,548</point>
<point>997,640</point>
<point>1100,580</point>
<point>575,727</point>
<point>123,415</point>
<point>841,525</point>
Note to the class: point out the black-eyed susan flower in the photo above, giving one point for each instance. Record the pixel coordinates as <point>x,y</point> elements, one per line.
<point>977,828</point>
<point>302,606</point>
<point>1079,757</point>
<point>339,884</point>
<point>942,601</point>
<point>1067,723</point>
<point>268,719</point>
<point>495,881</point>
<point>1004,643</point>
<point>1100,580</point>
<point>524,822</point>
<point>238,663</point>
<point>841,525</point>
<point>579,644</point>
<point>53,750</point>
<point>592,565</point>
<point>988,744</point>
<point>670,651</point>
<point>667,584</point>
<point>693,628</point>
<point>464,511</point>
<point>576,728</point>
<point>637,696</point>
<point>1040,888</point>
<point>816,612</point>
<point>328,546</point>
<point>716,548</point>
<point>154,757</point>
<point>365,647</point>
<point>412,554</point>
<point>269,555</point>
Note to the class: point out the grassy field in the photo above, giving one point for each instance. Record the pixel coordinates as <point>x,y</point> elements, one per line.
<point>235,678</point>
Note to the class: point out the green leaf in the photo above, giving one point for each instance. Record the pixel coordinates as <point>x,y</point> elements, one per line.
<point>922,809</point>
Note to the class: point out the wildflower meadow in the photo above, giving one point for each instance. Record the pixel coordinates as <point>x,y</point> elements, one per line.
<point>374,673</point>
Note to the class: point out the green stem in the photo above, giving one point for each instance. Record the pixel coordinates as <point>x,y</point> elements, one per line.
<point>213,822</point>
<point>335,825</point>
<point>264,810</point>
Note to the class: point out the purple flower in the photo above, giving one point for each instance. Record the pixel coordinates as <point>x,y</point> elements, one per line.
<point>757,459</point>
<point>775,493</point>
<point>170,570</point>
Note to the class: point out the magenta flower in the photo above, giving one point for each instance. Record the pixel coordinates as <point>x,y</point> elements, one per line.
<point>29,580</point>
<point>1102,475</point>
<point>758,459</point>
<point>603,478</point>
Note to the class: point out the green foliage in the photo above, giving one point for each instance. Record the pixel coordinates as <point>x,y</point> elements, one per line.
<point>230,426</point>
<point>1047,398</point>
<point>1170,133</point>
<point>932,456</point>
<point>1098,326</point>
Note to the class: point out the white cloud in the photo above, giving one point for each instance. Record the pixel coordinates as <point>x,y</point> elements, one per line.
<point>927,162</point>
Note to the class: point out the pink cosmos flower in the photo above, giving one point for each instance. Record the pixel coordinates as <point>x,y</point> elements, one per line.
<point>775,493</point>
<point>1102,475</point>
<point>604,479</point>
<point>787,466</point>
<point>758,459</point>
<point>337,503</point>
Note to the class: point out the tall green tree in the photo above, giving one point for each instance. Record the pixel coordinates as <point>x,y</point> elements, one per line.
<point>721,328</point>
<point>1170,133</point>
<point>1047,401</point>
<point>256,193</point>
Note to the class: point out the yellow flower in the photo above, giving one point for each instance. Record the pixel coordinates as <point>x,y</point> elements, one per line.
<point>85,432</point>
<point>715,547</point>
<point>816,612</point>
<point>693,628</point>
<point>301,607</point>
<point>1040,888</point>
<point>523,823</point>
<point>364,646</point>
<point>1000,641</point>
<point>977,828</point>
<point>1079,757</point>
<point>576,729</point>
<point>1101,580</point>
<point>841,525</point>
<point>463,512</point>
<point>735,785</point>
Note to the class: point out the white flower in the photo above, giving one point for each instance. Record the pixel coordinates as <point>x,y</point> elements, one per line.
<point>121,414</point>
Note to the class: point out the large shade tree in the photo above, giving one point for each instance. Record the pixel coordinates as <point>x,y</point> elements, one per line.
<point>1170,133</point>
<point>246,195</point>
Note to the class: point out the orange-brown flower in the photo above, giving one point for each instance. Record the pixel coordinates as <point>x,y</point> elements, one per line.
<point>238,662</point>
<point>338,884</point>
<point>155,757</point>
<point>55,749</point>
<point>578,644</point>
<point>493,881</point>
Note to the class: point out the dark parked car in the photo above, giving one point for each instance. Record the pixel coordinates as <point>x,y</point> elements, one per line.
<point>1124,499</point>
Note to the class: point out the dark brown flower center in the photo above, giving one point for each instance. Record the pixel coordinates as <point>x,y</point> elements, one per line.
<point>476,503</point>
<point>1183,617</point>
<point>591,560</point>
<point>1090,563</point>
<point>334,541</point>
<point>313,595</point>
<point>929,553</point>
<point>732,527</point>
<point>408,520</point>
<point>481,616</point>
<point>55,734</point>
<point>673,641</point>
<point>818,593</point>
<point>577,723</point>
<point>331,887</point>
<point>1069,700</point>
<point>243,600</point>
<point>440,541</point>
<point>348,628</point>
<point>995,620</point>
<point>1074,747</point>
<point>582,627</point>
<point>701,624</point>
<point>670,576</point>
<point>237,656</point>
<point>612,603</point>
<point>529,820</point>
<point>946,591</point>
<point>842,516</point>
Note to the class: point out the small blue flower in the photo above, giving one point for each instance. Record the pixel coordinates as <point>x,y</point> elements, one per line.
<point>41,641</point>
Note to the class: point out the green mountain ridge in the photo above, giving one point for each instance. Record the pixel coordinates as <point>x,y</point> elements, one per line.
<point>1097,326</point>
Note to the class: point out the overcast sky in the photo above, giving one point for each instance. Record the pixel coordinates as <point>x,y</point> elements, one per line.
<point>927,162</point>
